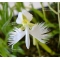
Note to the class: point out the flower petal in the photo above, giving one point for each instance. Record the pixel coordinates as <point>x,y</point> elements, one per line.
<point>19,18</point>
<point>38,32</point>
<point>27,15</point>
<point>15,36</point>
<point>27,39</point>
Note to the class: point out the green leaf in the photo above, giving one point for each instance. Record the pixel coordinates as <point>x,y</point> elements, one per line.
<point>46,48</point>
<point>18,49</point>
<point>3,49</point>
<point>45,19</point>
<point>19,5</point>
<point>6,25</point>
<point>5,11</point>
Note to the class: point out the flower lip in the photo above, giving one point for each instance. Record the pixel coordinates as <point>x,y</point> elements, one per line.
<point>38,31</point>
<point>16,35</point>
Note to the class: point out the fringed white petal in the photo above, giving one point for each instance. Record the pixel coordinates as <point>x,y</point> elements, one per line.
<point>27,38</point>
<point>15,36</point>
<point>39,32</point>
<point>27,15</point>
<point>19,18</point>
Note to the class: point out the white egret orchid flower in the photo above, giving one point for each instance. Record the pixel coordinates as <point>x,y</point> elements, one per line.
<point>36,30</point>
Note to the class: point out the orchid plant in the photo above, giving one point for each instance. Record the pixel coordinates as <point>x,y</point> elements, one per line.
<point>38,31</point>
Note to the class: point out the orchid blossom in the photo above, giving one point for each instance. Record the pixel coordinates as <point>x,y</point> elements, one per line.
<point>38,31</point>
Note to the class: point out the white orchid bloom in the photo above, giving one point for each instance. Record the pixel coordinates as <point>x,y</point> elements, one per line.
<point>37,31</point>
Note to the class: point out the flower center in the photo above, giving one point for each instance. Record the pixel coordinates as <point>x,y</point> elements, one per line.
<point>25,22</point>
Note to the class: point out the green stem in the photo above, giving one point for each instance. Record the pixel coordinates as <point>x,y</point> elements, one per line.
<point>44,14</point>
<point>34,41</point>
<point>38,48</point>
<point>46,48</point>
<point>59,22</point>
<point>52,8</point>
<point>43,10</point>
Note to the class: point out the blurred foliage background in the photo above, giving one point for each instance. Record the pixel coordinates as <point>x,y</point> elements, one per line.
<point>49,15</point>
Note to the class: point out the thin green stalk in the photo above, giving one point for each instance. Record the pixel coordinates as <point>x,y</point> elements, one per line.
<point>44,14</point>
<point>44,17</point>
<point>46,20</point>
<point>59,22</point>
<point>43,10</point>
<point>52,9</point>
<point>34,41</point>
<point>46,48</point>
<point>36,44</point>
<point>38,48</point>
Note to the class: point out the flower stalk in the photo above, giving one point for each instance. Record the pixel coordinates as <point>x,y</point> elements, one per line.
<point>59,22</point>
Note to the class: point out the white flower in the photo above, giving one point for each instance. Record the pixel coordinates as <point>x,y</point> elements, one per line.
<point>38,31</point>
